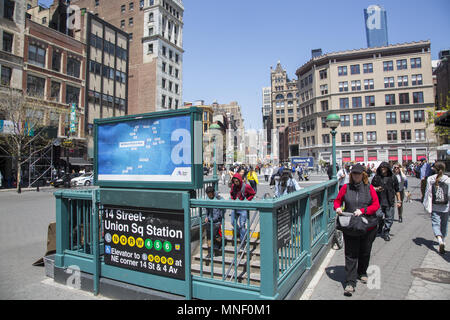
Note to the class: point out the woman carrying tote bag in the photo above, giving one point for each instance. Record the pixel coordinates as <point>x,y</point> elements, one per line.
<point>359,198</point>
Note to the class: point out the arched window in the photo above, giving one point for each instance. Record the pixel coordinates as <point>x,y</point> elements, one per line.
<point>279,96</point>
<point>289,96</point>
<point>150,17</point>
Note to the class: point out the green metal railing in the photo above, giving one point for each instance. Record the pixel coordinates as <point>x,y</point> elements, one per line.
<point>259,268</point>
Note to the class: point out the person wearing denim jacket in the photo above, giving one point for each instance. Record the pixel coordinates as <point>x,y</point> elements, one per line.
<point>214,217</point>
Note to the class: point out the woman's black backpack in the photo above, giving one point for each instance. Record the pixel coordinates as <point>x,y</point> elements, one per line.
<point>440,193</point>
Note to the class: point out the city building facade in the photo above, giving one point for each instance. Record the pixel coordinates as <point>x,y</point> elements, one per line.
<point>155,29</point>
<point>381,95</point>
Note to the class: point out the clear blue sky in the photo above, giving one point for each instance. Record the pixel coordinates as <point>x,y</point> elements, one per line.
<point>231,45</point>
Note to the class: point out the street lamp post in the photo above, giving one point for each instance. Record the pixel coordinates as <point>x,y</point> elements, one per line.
<point>333,121</point>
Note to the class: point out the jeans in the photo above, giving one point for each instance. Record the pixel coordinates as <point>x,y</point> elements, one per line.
<point>357,255</point>
<point>400,210</point>
<point>439,221</point>
<point>240,224</point>
<point>388,220</point>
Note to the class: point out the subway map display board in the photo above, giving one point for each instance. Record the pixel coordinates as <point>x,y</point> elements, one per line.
<point>152,150</point>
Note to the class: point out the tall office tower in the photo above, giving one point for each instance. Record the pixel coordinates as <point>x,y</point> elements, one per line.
<point>155,29</point>
<point>375,19</point>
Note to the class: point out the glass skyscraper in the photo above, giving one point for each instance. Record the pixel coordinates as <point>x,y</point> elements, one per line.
<point>375,19</point>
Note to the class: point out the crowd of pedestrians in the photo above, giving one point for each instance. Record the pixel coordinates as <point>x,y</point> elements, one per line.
<point>369,196</point>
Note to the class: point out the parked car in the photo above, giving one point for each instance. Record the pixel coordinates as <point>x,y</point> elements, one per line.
<point>61,181</point>
<point>86,179</point>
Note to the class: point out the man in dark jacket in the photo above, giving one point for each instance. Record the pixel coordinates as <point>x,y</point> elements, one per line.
<point>387,188</point>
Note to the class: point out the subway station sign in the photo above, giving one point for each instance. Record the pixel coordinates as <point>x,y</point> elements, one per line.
<point>145,240</point>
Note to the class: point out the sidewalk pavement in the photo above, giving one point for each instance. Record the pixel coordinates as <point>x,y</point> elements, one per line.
<point>393,263</point>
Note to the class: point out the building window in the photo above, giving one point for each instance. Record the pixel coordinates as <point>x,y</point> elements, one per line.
<point>354,69</point>
<point>150,48</point>
<point>324,105</point>
<point>343,86</point>
<point>356,85</point>
<point>368,84</point>
<point>131,6</point>
<point>405,135</point>
<point>5,79</point>
<point>370,101</point>
<point>368,68</point>
<point>405,117</point>
<point>36,55</point>
<point>356,102</point>
<point>44,20</point>
<point>403,98</point>
<point>56,61</point>
<point>358,119</point>
<point>342,71</point>
<point>345,120</point>
<point>358,137</point>
<point>420,134</point>
<point>371,136</point>
<point>419,116</point>
<point>72,95</point>
<point>345,137</point>
<point>402,64</point>
<point>389,99</point>
<point>7,41</point>
<point>122,24</point>
<point>416,63</point>
<point>73,67</point>
<point>130,36</point>
<point>150,31</point>
<point>389,82</point>
<point>35,86</point>
<point>163,101</point>
<point>392,135</point>
<point>122,8</point>
<point>402,81</point>
<point>163,83</point>
<point>343,103</point>
<point>130,22</point>
<point>177,57</point>
<point>323,74</point>
<point>324,89</point>
<point>371,119</point>
<point>164,51</point>
<point>388,66</point>
<point>8,9</point>
<point>55,89</point>
<point>391,117</point>
<point>416,79</point>
<point>325,139</point>
<point>97,3</point>
<point>417,97</point>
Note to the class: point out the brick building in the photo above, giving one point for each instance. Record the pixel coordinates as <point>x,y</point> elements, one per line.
<point>156,49</point>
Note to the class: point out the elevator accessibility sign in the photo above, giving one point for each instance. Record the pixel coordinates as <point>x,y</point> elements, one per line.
<point>146,240</point>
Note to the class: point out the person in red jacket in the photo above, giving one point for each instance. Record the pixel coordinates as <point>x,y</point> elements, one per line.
<point>240,190</point>
<point>359,198</point>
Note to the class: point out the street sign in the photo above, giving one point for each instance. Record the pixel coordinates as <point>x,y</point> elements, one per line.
<point>145,240</point>
<point>160,150</point>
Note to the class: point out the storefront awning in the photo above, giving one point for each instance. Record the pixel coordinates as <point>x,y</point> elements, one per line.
<point>443,120</point>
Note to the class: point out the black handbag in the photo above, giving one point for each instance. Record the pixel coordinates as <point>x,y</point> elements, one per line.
<point>357,225</point>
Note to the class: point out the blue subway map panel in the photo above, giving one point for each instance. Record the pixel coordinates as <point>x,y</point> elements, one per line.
<point>145,150</point>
